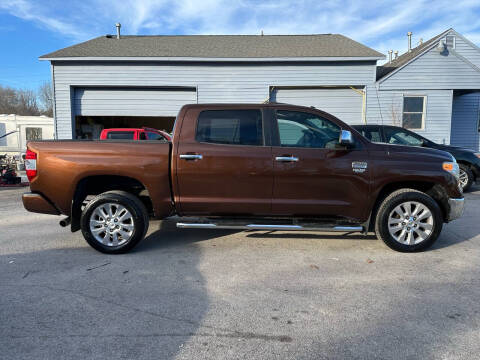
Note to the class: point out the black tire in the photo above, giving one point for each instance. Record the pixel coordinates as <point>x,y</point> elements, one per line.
<point>139,217</point>
<point>390,203</point>
<point>469,174</point>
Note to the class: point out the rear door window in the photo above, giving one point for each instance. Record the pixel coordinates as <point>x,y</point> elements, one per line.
<point>120,135</point>
<point>233,127</point>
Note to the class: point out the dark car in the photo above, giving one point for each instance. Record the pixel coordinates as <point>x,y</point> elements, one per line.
<point>468,160</point>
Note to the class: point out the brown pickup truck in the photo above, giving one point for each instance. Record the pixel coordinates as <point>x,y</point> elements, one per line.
<point>246,166</point>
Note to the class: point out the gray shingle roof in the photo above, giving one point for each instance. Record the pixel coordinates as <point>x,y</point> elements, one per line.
<point>218,46</point>
<point>387,68</point>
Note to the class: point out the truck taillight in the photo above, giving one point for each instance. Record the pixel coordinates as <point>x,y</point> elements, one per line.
<point>31,164</point>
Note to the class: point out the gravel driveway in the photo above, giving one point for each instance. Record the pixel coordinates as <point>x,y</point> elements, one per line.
<point>204,294</point>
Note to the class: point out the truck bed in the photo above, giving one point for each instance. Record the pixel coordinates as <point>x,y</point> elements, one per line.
<point>63,164</point>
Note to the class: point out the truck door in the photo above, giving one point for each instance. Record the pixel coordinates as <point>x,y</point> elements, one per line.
<point>313,174</point>
<point>224,163</point>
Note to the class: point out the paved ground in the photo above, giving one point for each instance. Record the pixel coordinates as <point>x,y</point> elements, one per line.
<point>190,294</point>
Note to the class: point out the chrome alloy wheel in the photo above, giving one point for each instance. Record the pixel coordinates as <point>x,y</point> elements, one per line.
<point>463,178</point>
<point>111,224</point>
<point>410,223</point>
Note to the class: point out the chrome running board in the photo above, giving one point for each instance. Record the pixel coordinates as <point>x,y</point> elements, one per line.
<point>268,227</point>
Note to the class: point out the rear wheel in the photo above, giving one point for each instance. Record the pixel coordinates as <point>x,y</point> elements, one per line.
<point>114,222</point>
<point>408,220</point>
<point>466,177</point>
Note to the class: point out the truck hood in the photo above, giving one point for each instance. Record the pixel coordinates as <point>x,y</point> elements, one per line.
<point>453,148</point>
<point>434,154</point>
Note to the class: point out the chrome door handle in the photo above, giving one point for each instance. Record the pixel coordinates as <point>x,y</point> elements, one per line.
<point>191,156</point>
<point>286,158</point>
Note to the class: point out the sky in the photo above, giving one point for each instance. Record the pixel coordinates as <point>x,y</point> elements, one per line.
<point>31,28</point>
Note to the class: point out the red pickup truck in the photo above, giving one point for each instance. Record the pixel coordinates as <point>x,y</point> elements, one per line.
<point>246,166</point>
<point>134,134</point>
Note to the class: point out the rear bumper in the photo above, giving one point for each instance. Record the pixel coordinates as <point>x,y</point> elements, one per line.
<point>37,203</point>
<point>457,207</point>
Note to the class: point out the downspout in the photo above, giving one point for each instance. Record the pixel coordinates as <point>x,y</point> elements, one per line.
<point>54,101</point>
<point>363,93</point>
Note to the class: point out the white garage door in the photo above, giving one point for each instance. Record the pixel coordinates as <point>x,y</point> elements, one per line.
<point>131,101</point>
<point>344,103</point>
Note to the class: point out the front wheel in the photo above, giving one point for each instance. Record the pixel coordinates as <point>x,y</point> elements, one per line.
<point>114,222</point>
<point>466,177</point>
<point>408,220</point>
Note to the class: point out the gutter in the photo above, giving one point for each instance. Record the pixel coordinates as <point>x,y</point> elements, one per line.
<point>211,59</point>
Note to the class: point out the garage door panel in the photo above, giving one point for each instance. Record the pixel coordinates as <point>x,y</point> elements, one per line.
<point>344,103</point>
<point>131,101</point>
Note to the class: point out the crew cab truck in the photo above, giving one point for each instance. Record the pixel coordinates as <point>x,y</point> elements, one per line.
<point>246,166</point>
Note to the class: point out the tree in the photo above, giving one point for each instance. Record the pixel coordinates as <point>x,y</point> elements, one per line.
<point>45,95</point>
<point>7,100</point>
<point>17,101</point>
<point>27,101</point>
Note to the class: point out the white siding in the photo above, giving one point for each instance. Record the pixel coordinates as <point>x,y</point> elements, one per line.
<point>387,110</point>
<point>468,51</point>
<point>214,82</point>
<point>434,75</point>
<point>345,104</point>
<point>433,70</point>
<point>131,101</point>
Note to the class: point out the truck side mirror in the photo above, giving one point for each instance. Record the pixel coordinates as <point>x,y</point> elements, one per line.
<point>346,138</point>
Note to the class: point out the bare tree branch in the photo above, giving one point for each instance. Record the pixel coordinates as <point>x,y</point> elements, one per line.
<point>45,96</point>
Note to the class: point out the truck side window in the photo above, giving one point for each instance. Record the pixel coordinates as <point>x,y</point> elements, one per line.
<point>371,134</point>
<point>154,136</point>
<point>396,136</point>
<point>299,129</point>
<point>120,135</point>
<point>235,127</point>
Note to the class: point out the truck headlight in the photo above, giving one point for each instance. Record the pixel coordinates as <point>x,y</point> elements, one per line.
<point>452,167</point>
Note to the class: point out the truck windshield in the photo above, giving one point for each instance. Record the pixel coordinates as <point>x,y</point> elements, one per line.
<point>120,135</point>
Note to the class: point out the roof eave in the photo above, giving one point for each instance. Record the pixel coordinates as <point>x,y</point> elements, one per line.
<point>209,59</point>
<point>428,48</point>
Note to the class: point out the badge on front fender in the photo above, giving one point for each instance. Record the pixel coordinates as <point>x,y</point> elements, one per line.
<point>359,166</point>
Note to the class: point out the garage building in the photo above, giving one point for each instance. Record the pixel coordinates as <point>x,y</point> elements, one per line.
<point>134,81</point>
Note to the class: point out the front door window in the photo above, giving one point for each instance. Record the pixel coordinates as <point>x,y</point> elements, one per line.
<point>305,130</point>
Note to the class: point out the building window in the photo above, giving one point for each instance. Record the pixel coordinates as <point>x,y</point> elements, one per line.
<point>33,134</point>
<point>450,41</point>
<point>413,112</point>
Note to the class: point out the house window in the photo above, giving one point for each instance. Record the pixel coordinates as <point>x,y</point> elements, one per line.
<point>413,112</point>
<point>33,133</point>
<point>450,41</point>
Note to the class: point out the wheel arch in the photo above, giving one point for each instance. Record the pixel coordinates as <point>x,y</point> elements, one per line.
<point>97,184</point>
<point>436,191</point>
<point>470,166</point>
